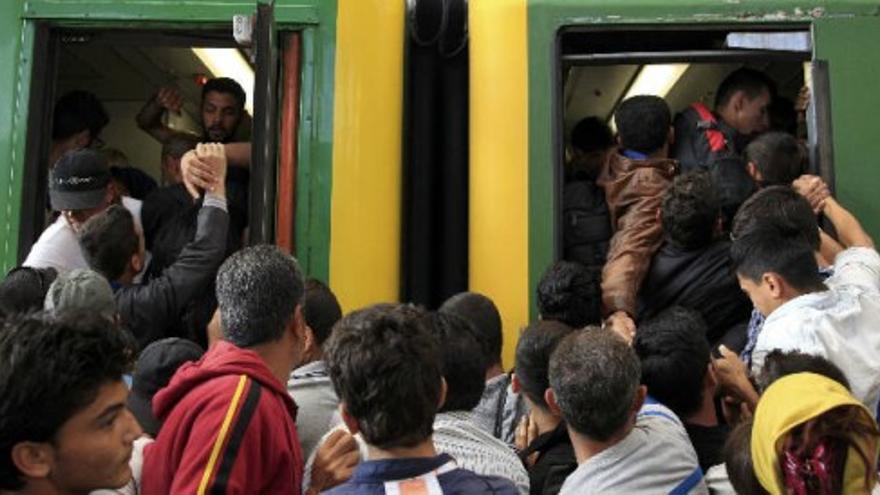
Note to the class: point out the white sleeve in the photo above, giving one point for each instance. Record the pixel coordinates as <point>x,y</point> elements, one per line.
<point>858,266</point>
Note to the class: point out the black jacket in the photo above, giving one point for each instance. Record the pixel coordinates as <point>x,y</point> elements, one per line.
<point>555,461</point>
<point>153,310</point>
<point>727,166</point>
<point>702,280</point>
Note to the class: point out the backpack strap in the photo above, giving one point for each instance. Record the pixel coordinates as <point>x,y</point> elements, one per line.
<point>717,141</point>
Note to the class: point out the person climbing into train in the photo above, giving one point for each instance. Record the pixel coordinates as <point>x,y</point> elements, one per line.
<point>77,120</point>
<point>634,178</point>
<point>715,140</point>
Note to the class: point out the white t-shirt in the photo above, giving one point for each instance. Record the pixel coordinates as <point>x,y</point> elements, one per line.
<point>841,324</point>
<point>58,247</point>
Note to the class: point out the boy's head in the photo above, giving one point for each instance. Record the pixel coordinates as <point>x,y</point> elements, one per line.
<point>566,294</point>
<point>533,350</point>
<point>24,289</point>
<point>464,360</point>
<point>386,368</point>
<point>773,266</point>
<point>64,427</point>
<point>690,211</point>
<point>321,310</point>
<point>594,377</point>
<point>777,206</point>
<point>481,312</point>
<point>774,159</point>
<point>674,355</point>
<point>778,364</point>
<point>111,243</point>
<point>644,123</point>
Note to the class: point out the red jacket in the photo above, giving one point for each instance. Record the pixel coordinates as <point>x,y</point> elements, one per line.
<point>228,427</point>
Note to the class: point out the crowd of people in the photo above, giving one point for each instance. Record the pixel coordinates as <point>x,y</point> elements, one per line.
<point>702,335</point>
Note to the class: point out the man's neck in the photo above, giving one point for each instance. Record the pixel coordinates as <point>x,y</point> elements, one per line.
<point>707,414</point>
<point>425,448</point>
<point>495,370</point>
<point>276,359</point>
<point>586,448</point>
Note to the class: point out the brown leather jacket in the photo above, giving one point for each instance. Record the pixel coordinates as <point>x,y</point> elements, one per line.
<point>634,190</point>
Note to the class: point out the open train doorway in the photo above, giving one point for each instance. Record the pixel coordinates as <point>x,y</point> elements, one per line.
<point>124,66</point>
<point>600,68</point>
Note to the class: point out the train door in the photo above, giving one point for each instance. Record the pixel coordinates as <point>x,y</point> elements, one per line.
<point>599,68</point>
<point>123,64</point>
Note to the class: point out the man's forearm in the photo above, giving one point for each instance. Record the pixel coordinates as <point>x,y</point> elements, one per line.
<point>848,228</point>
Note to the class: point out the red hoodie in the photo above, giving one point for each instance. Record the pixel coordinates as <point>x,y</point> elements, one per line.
<point>228,427</point>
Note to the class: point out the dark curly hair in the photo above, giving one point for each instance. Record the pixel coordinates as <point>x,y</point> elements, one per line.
<point>52,369</point>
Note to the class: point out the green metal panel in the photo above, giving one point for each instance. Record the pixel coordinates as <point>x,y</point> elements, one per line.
<point>854,74</point>
<point>15,53</point>
<point>315,160</point>
<point>317,19</point>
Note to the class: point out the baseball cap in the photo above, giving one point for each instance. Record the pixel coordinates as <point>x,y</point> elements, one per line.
<point>79,180</point>
<point>156,365</point>
<point>81,290</point>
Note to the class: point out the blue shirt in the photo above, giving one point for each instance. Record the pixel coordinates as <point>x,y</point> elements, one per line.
<point>370,476</point>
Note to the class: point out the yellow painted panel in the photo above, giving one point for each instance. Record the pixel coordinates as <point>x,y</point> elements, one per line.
<point>367,130</point>
<point>499,160</point>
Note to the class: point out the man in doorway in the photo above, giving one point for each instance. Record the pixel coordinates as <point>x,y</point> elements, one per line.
<point>77,120</point>
<point>715,140</point>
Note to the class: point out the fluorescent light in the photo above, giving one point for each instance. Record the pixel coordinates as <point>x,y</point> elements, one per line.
<point>228,62</point>
<point>654,79</point>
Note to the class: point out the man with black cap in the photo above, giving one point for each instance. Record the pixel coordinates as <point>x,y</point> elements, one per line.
<point>79,188</point>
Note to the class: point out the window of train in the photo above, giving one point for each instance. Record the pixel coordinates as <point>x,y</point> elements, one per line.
<point>600,68</point>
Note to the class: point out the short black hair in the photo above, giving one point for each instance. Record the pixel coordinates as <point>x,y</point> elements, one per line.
<point>750,81</point>
<point>567,293</point>
<point>78,111</point>
<point>52,369</point>
<point>24,289</point>
<point>464,360</point>
<point>321,309</point>
<point>258,291</point>
<point>108,241</point>
<point>591,134</point>
<point>643,123</point>
<point>533,350</point>
<point>690,210</point>
<point>785,253</point>
<point>225,85</point>
<point>674,354</point>
<point>778,364</point>
<point>777,206</point>
<point>737,454</point>
<point>778,157</point>
<point>386,368</point>
<point>595,375</point>
<point>483,314</point>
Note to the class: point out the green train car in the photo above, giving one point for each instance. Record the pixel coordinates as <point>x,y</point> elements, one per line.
<point>342,90</point>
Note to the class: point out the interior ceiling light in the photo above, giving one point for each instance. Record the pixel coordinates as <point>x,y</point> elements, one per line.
<point>654,79</point>
<point>228,62</point>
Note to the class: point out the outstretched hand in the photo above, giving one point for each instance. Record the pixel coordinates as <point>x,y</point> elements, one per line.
<point>335,461</point>
<point>204,168</point>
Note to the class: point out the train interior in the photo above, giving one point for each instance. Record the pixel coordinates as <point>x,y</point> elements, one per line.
<point>600,69</point>
<point>124,69</point>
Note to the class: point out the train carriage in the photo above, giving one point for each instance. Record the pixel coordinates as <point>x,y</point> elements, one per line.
<point>407,150</point>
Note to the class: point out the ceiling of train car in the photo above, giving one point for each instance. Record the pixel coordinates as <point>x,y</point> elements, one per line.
<point>597,89</point>
<point>129,68</point>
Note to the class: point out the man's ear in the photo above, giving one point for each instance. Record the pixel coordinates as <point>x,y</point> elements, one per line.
<point>753,171</point>
<point>710,381</point>
<point>738,100</point>
<point>82,139</point>
<point>33,459</point>
<point>670,136</point>
<point>298,323</point>
<point>550,399</point>
<point>309,341</point>
<point>774,284</point>
<point>639,401</point>
<point>137,262</point>
<point>515,384</point>
<point>348,420</point>
<point>443,389</point>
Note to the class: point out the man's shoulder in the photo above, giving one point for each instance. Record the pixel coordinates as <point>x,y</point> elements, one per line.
<point>462,481</point>
<point>57,247</point>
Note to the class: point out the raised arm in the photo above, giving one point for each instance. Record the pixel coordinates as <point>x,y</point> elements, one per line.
<point>149,118</point>
<point>849,230</point>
